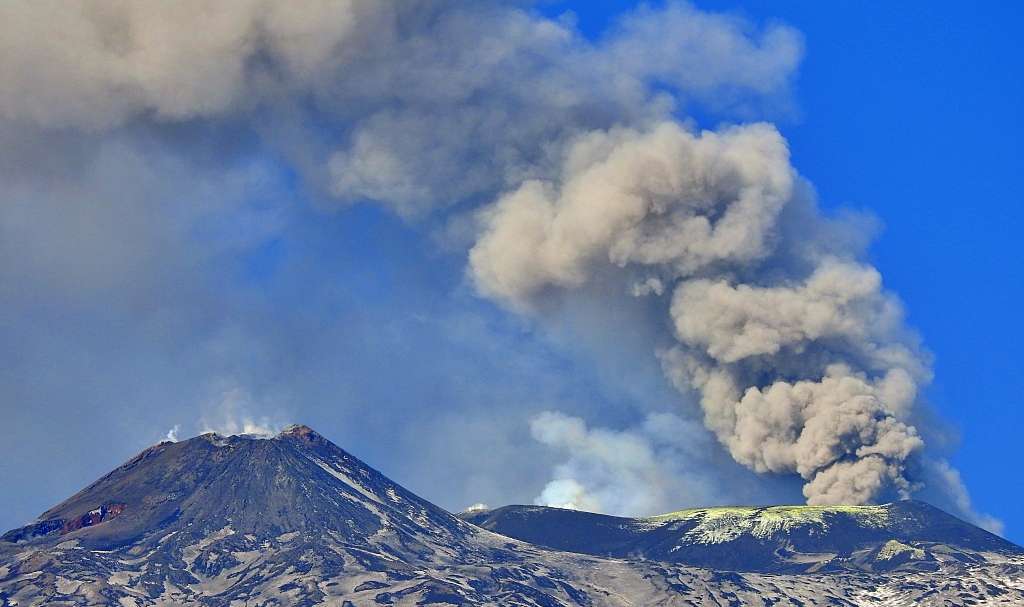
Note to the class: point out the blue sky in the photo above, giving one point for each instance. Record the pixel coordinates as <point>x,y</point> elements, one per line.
<point>191,269</point>
<point>913,111</point>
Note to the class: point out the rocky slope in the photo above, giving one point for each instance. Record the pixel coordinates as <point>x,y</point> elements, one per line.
<point>295,520</point>
<point>907,536</point>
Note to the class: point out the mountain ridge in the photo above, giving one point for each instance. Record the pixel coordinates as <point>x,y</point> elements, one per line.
<point>230,475</point>
<point>296,520</point>
<point>757,538</point>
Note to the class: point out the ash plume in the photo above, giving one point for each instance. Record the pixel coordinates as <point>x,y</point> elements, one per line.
<point>565,167</point>
<point>800,358</point>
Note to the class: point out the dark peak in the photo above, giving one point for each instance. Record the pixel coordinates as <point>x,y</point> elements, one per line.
<point>913,504</point>
<point>297,480</point>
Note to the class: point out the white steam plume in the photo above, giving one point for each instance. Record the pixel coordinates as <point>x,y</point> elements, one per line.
<point>661,464</point>
<point>229,414</point>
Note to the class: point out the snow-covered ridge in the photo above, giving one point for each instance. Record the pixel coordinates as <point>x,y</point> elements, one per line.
<point>717,525</point>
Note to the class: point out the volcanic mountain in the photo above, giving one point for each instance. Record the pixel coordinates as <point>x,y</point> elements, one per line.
<point>906,535</point>
<point>295,520</point>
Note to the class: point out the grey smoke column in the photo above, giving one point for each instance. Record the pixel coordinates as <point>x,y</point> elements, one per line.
<point>800,358</point>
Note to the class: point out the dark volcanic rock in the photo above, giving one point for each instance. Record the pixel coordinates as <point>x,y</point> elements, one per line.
<point>297,481</point>
<point>779,539</point>
<point>295,520</point>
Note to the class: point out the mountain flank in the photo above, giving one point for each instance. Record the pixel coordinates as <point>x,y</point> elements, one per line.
<point>906,535</point>
<point>295,520</point>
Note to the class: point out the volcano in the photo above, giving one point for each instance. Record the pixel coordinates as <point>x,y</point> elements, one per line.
<point>296,520</point>
<point>907,535</point>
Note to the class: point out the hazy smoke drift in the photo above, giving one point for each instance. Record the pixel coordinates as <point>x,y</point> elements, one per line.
<point>800,358</point>
<point>662,463</point>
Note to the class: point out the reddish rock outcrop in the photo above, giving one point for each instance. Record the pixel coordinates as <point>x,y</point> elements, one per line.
<point>93,517</point>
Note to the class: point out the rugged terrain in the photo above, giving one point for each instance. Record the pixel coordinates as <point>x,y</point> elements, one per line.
<point>906,535</point>
<point>295,520</point>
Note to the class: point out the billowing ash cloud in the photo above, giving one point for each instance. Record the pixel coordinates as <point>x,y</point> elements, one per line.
<point>566,167</point>
<point>99,64</point>
<point>800,358</point>
<point>415,105</point>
